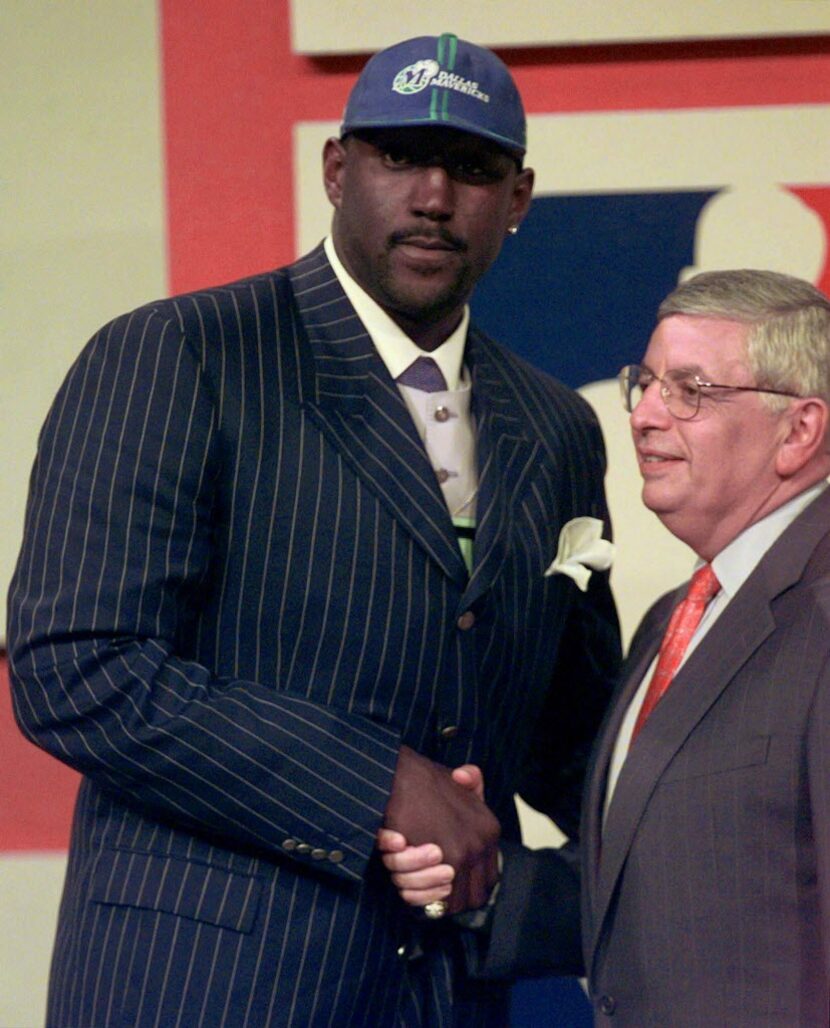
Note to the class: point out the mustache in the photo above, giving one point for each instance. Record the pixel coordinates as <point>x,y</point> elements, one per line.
<point>438,234</point>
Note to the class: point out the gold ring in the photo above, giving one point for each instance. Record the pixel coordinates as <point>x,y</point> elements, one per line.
<point>435,910</point>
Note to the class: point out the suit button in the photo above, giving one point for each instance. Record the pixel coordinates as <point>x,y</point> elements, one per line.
<point>304,848</point>
<point>466,621</point>
<point>289,845</point>
<point>410,951</point>
<point>607,1005</point>
<point>448,731</point>
<point>336,856</point>
<point>318,854</point>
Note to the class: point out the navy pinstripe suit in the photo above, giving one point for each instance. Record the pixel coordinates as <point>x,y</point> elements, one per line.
<point>238,594</point>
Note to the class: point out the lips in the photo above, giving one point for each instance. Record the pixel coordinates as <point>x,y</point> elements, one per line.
<point>654,460</point>
<point>441,241</point>
<point>427,243</point>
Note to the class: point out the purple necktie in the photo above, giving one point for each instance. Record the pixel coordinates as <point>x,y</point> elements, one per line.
<point>424,374</point>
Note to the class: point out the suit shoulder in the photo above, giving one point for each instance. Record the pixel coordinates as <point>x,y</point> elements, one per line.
<point>533,380</point>
<point>227,300</point>
<point>199,319</point>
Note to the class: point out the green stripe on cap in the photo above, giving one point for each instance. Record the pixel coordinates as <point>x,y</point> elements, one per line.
<point>433,105</point>
<point>450,42</point>
<point>447,52</point>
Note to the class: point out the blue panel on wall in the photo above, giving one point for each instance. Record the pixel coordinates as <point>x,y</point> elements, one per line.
<point>575,292</point>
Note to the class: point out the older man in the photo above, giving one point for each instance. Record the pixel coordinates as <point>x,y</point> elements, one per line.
<point>283,563</point>
<point>706,821</point>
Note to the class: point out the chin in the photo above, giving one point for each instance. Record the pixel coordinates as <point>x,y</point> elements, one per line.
<point>652,498</point>
<point>427,308</point>
<point>423,297</point>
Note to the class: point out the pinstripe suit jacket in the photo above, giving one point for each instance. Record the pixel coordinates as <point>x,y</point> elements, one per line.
<point>238,594</point>
<point>710,902</point>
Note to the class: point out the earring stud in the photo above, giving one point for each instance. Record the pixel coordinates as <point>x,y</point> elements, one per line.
<point>513,230</point>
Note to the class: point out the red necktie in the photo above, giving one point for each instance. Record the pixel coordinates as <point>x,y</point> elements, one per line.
<point>682,624</point>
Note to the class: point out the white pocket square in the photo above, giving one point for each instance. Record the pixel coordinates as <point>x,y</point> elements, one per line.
<point>582,550</point>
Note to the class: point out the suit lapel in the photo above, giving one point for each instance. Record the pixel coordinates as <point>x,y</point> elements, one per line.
<point>351,396</point>
<point>359,408</point>
<point>641,656</point>
<point>506,457</point>
<point>736,635</point>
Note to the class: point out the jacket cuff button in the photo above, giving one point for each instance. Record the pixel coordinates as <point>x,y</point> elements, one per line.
<point>607,1005</point>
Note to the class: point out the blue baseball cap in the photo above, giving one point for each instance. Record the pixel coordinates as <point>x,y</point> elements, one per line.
<point>439,80</point>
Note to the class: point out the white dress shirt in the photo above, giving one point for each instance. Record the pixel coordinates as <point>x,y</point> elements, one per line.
<point>443,419</point>
<point>732,566</point>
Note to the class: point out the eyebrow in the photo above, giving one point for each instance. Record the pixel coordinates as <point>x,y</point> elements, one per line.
<point>684,369</point>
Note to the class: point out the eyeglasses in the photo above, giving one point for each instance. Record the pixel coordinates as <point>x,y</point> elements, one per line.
<point>680,391</point>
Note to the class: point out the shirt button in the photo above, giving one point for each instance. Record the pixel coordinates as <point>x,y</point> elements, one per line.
<point>442,475</point>
<point>336,856</point>
<point>441,414</point>
<point>607,1005</point>
<point>466,621</point>
<point>318,854</point>
<point>448,731</point>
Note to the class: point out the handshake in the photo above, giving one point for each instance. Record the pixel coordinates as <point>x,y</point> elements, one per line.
<point>439,840</point>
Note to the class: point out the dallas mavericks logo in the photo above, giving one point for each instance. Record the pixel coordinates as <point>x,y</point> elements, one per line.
<point>415,77</point>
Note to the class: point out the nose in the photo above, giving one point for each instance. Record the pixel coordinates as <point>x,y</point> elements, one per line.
<point>651,411</point>
<point>433,193</point>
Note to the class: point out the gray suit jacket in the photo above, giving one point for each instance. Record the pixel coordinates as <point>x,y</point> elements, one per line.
<point>239,592</point>
<point>706,895</point>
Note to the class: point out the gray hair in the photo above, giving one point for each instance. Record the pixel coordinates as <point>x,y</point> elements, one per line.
<point>788,345</point>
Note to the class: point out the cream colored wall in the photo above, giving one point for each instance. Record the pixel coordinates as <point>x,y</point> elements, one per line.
<point>81,215</point>
<point>81,239</point>
<point>342,26</point>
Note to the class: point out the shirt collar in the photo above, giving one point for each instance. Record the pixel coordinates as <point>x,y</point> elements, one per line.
<point>736,562</point>
<point>396,349</point>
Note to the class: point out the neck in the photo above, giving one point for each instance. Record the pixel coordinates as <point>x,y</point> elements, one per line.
<point>709,546</point>
<point>428,335</point>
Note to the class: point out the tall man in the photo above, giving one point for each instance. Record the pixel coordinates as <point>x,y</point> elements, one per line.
<point>268,594</point>
<point>706,827</point>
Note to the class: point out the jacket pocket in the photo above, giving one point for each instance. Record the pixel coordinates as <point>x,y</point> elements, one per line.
<point>717,759</point>
<point>171,885</point>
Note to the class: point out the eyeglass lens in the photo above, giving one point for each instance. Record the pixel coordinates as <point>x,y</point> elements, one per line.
<point>680,393</point>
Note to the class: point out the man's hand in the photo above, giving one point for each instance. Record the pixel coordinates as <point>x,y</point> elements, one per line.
<point>440,840</point>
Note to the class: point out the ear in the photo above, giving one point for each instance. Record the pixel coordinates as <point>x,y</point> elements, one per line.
<point>522,195</point>
<point>806,437</point>
<point>334,161</point>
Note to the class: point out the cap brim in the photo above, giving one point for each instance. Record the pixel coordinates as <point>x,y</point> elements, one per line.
<point>511,146</point>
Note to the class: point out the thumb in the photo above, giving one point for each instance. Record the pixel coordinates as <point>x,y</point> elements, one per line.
<point>470,777</point>
<point>389,841</point>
